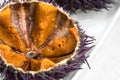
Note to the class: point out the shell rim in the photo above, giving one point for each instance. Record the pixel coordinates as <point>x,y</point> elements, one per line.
<point>58,64</point>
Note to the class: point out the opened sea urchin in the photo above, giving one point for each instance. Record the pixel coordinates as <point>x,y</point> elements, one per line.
<point>39,42</point>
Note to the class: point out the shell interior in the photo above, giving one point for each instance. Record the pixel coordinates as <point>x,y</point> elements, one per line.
<point>39,41</point>
<point>36,36</point>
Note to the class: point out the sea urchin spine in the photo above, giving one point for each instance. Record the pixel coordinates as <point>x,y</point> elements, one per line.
<point>73,5</point>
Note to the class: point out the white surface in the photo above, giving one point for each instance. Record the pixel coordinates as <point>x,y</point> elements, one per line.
<point>105,60</point>
<point>106,63</point>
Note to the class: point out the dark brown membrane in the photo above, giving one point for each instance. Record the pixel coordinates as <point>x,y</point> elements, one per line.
<point>22,18</point>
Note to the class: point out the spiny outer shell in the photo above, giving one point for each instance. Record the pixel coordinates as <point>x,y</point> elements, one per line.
<point>55,73</point>
<point>73,5</point>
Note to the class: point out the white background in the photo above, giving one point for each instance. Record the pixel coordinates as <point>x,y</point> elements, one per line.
<point>105,61</point>
<point>105,65</point>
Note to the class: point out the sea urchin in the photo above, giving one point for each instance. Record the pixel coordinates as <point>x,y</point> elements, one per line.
<point>39,42</point>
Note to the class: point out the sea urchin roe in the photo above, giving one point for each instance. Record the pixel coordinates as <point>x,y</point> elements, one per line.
<point>8,33</point>
<point>4,48</point>
<point>13,58</point>
<point>60,46</point>
<point>35,36</point>
<point>35,65</point>
<point>43,23</point>
<point>74,31</point>
<point>58,59</point>
<point>46,63</point>
<point>21,61</point>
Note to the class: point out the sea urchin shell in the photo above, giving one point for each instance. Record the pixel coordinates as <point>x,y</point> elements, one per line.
<point>39,42</point>
<point>73,5</point>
